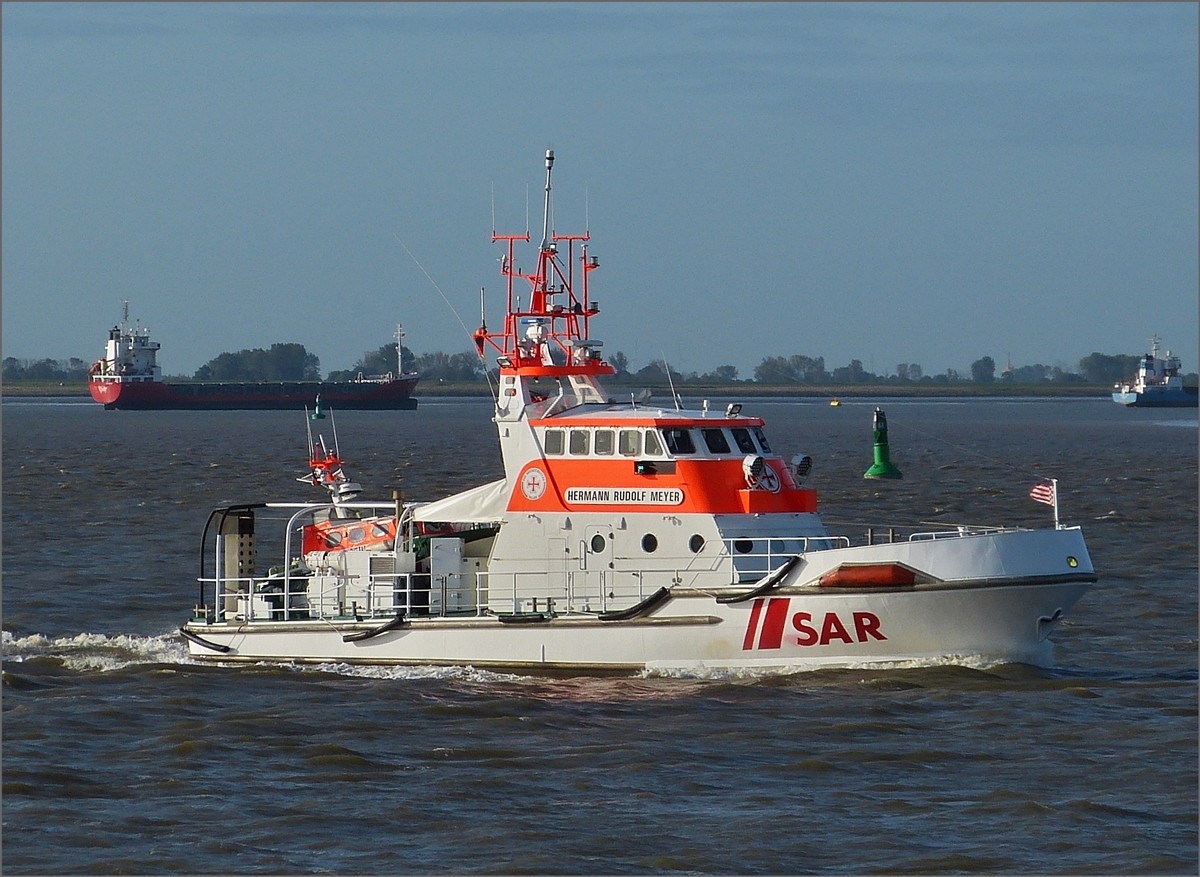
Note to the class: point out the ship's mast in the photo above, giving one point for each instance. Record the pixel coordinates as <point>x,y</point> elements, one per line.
<point>554,326</point>
<point>399,349</point>
<point>546,207</point>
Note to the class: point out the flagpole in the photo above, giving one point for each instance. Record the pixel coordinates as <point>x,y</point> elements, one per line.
<point>1054,482</point>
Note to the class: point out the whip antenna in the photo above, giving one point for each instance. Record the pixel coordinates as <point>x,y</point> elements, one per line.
<point>546,207</point>
<point>670,381</point>
<point>448,304</point>
<point>435,286</point>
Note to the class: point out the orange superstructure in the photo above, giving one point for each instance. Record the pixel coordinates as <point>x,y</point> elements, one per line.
<point>695,487</point>
<point>589,454</point>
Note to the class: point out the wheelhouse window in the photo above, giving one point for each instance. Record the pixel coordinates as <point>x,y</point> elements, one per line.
<point>679,441</point>
<point>653,445</point>
<point>604,442</point>
<point>762,440</point>
<point>580,439</point>
<point>554,441</point>
<point>715,440</point>
<point>629,442</point>
<point>741,437</point>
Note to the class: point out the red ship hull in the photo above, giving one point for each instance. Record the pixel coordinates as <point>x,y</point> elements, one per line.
<point>259,395</point>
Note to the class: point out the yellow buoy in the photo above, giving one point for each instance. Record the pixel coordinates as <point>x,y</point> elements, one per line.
<point>835,404</point>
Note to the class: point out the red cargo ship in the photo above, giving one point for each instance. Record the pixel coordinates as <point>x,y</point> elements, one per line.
<point>128,377</point>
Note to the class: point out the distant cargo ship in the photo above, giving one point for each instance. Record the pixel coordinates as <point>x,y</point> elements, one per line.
<point>128,377</point>
<point>1158,383</point>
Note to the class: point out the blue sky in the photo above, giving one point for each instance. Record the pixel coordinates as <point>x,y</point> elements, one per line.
<point>889,183</point>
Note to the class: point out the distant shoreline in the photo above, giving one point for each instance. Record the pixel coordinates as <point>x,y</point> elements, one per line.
<point>790,391</point>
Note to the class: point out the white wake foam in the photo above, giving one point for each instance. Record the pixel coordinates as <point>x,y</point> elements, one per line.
<point>91,652</point>
<point>97,652</point>
<point>464,673</point>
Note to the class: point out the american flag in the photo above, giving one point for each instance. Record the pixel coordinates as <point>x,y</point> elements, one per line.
<point>1043,493</point>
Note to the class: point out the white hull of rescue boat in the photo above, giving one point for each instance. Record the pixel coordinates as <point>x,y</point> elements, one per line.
<point>990,598</point>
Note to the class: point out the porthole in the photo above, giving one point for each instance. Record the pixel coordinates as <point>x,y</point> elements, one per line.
<point>597,544</point>
<point>357,534</point>
<point>1072,562</point>
<point>743,546</point>
<point>649,543</point>
<point>696,543</point>
<point>333,539</point>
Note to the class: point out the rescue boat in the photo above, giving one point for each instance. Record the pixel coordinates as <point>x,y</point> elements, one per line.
<point>624,537</point>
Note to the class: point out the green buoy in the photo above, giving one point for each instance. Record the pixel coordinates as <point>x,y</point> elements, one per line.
<point>883,466</point>
<point>318,414</point>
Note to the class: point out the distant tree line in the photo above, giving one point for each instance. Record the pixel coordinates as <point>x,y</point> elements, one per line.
<point>433,367</point>
<point>60,370</point>
<point>292,362</point>
<point>283,362</point>
<point>1096,368</point>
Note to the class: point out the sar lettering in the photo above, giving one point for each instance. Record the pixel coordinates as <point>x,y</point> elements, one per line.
<point>833,629</point>
<point>768,621</point>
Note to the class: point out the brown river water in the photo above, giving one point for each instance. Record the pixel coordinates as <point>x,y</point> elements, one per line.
<point>120,755</point>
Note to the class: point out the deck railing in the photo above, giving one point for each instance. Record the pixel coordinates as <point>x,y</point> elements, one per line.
<point>294,593</point>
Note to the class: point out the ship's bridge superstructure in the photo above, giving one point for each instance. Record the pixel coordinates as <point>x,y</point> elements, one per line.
<point>129,355</point>
<point>565,438</point>
<point>586,473</point>
<point>1158,382</point>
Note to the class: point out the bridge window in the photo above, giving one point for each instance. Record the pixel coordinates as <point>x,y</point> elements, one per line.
<point>629,442</point>
<point>715,440</point>
<point>653,446</point>
<point>604,441</point>
<point>554,441</point>
<point>745,444</point>
<point>580,441</point>
<point>679,441</point>
<point>762,440</point>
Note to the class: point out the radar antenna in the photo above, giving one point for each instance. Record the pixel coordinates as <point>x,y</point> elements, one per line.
<point>546,208</point>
